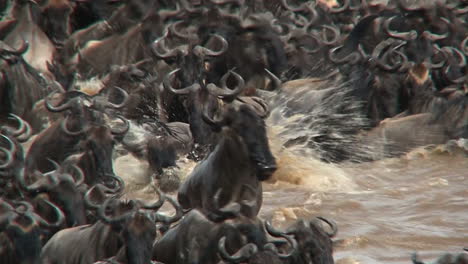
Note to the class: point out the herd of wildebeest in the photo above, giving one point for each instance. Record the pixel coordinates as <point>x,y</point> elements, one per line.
<point>77,76</point>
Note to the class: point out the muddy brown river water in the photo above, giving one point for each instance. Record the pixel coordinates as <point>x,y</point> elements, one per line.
<point>385,210</point>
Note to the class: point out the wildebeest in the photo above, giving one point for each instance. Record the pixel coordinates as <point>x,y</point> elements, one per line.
<point>121,19</point>
<point>132,44</point>
<point>14,136</point>
<point>164,150</point>
<point>395,136</point>
<point>461,258</point>
<point>241,157</point>
<point>63,186</point>
<point>83,129</point>
<point>21,86</point>
<point>42,49</point>
<point>128,233</point>
<point>21,230</point>
<point>314,242</point>
<point>237,238</point>
<point>253,46</point>
<point>54,20</point>
<point>194,93</point>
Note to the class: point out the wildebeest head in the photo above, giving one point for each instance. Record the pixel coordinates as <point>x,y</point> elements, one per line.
<point>21,85</point>
<point>447,258</point>
<point>140,233</point>
<point>253,46</point>
<point>137,227</point>
<point>14,152</point>
<point>191,75</point>
<point>86,125</point>
<point>55,20</point>
<point>98,148</point>
<point>255,249</point>
<point>420,41</point>
<point>22,227</point>
<point>314,243</point>
<point>249,127</point>
<point>62,187</point>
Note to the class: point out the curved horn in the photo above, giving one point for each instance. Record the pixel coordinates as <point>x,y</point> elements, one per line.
<point>24,47</point>
<point>175,32</point>
<point>166,54</point>
<point>54,163</point>
<point>220,214</point>
<point>351,58</point>
<point>336,35</point>
<point>65,129</point>
<point>299,20</point>
<point>281,29</point>
<point>410,35</point>
<point>9,159</point>
<point>461,11</point>
<point>241,255</point>
<point>225,93</point>
<point>401,5</point>
<point>21,126</point>
<point>332,224</point>
<point>276,82</point>
<point>80,177</point>
<point>43,182</point>
<point>341,9</point>
<point>71,162</point>
<point>187,7</point>
<point>454,51</point>
<point>441,63</point>
<point>362,52</point>
<point>208,52</point>
<point>287,6</point>
<point>312,51</point>
<point>464,46</point>
<point>116,219</point>
<point>164,14</point>
<point>57,109</point>
<point>446,74</point>
<point>12,144</point>
<point>123,130</point>
<point>170,219</point>
<point>433,36</point>
<point>277,233</point>
<point>124,100</point>
<point>100,189</point>
<point>167,84</point>
<point>156,205</point>
<point>381,62</point>
<point>380,47</point>
<point>59,216</point>
<point>314,16</point>
<point>120,184</point>
<point>222,2</point>
<point>216,125</point>
<point>386,67</point>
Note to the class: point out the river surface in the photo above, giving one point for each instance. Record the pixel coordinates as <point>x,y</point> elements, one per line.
<point>385,210</point>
